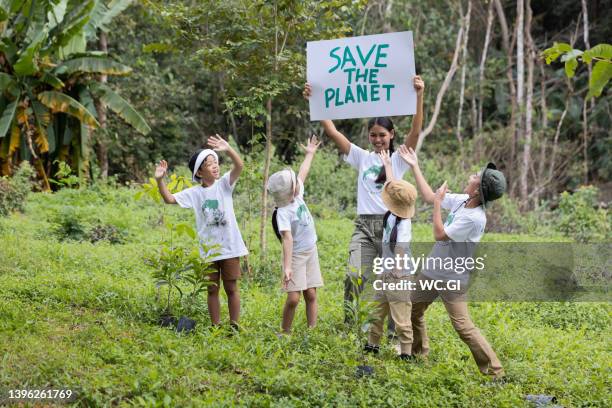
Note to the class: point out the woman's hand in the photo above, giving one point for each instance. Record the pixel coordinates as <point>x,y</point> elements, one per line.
<point>307,91</point>
<point>419,84</point>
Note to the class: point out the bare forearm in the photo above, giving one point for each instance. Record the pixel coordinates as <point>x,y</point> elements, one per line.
<point>165,193</point>
<point>412,137</point>
<point>422,185</point>
<point>388,171</point>
<point>305,167</point>
<point>438,225</point>
<point>342,143</point>
<point>238,164</point>
<point>287,250</point>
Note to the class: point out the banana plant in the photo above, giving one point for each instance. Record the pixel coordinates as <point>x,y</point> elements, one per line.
<point>49,81</point>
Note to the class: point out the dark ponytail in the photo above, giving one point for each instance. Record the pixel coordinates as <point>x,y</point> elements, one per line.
<point>275,225</point>
<point>387,123</point>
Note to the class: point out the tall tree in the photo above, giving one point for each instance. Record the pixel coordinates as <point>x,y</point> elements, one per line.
<point>47,84</point>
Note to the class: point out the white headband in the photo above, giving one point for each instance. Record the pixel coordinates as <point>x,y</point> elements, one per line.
<point>201,157</point>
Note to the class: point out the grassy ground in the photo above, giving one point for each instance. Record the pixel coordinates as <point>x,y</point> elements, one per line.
<point>82,315</point>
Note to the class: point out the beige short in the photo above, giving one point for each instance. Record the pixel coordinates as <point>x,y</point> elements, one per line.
<point>306,271</point>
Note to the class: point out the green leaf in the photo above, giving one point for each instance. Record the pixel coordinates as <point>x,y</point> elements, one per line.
<point>121,107</point>
<point>7,117</point>
<point>552,53</point>
<point>6,80</point>
<point>3,15</point>
<point>103,14</point>
<point>26,64</point>
<point>57,13</point>
<point>570,67</point>
<point>603,51</point>
<point>72,24</point>
<point>93,65</point>
<point>59,102</point>
<point>600,76</point>
<point>52,80</point>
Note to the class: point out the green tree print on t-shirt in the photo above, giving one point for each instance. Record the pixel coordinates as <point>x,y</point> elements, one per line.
<point>369,179</point>
<point>212,214</point>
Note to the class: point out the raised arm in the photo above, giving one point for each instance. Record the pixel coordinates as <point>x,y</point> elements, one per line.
<point>341,141</point>
<point>438,225</point>
<point>386,160</point>
<point>410,157</point>
<point>311,149</point>
<point>160,171</point>
<point>412,137</point>
<point>221,145</point>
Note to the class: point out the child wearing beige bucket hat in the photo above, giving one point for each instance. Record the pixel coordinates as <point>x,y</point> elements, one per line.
<point>392,298</point>
<point>294,227</point>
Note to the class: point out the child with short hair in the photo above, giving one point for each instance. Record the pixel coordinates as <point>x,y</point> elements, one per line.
<point>212,203</point>
<point>399,197</point>
<point>456,237</point>
<point>294,227</point>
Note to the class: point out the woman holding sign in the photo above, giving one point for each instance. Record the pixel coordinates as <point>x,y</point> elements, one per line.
<point>365,242</point>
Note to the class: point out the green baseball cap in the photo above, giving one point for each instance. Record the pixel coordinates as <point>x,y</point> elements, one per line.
<point>492,184</point>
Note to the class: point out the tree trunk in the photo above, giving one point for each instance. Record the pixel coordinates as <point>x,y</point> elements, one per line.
<point>520,88</point>
<point>443,89</point>
<point>526,163</point>
<point>481,68</point>
<point>513,96</point>
<point>466,22</point>
<point>266,174</point>
<point>585,126</point>
<point>101,139</point>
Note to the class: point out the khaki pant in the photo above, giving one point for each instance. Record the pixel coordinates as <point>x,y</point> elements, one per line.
<point>457,309</point>
<point>400,314</point>
<point>364,247</point>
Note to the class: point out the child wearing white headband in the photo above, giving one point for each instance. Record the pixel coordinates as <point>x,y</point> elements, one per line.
<point>211,201</point>
<point>294,227</point>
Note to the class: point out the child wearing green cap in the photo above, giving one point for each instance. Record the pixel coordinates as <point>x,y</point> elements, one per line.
<point>455,237</point>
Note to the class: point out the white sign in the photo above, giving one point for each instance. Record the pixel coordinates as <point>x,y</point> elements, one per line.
<point>362,77</point>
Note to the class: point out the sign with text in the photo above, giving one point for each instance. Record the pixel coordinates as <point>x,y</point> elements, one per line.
<point>362,77</point>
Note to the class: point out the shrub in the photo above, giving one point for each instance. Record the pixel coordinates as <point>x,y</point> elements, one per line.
<point>14,191</point>
<point>580,217</point>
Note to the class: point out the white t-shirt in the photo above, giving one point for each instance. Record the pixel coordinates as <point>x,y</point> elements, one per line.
<point>215,219</point>
<point>295,217</point>
<point>369,165</point>
<point>402,244</point>
<point>465,227</point>
<point>463,224</point>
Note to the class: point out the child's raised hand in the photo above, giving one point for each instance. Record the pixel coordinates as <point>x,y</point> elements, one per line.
<point>384,157</point>
<point>419,84</point>
<point>307,91</point>
<point>408,155</point>
<point>161,169</point>
<point>218,143</point>
<point>441,192</point>
<point>313,145</point>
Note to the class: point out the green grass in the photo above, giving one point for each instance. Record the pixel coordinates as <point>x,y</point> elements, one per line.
<point>82,315</point>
